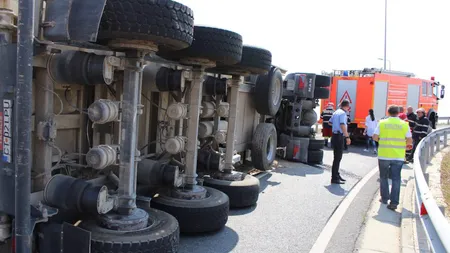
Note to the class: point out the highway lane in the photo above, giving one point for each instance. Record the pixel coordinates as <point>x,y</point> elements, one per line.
<point>295,204</point>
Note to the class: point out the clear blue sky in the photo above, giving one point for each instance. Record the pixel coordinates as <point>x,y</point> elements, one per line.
<point>316,35</point>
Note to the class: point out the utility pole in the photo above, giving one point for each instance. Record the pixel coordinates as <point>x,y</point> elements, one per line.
<point>385,32</point>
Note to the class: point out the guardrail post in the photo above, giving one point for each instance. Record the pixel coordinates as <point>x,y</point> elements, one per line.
<point>432,140</point>
<point>438,143</point>
<point>427,152</point>
<point>422,157</point>
<point>445,139</point>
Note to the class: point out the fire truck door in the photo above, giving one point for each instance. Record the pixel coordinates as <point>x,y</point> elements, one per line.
<point>380,99</point>
<point>413,96</point>
<point>347,90</point>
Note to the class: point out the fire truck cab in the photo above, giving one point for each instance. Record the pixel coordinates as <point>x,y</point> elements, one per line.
<point>376,89</point>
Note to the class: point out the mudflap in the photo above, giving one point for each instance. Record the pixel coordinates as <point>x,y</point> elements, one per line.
<point>296,148</point>
<point>64,238</point>
<point>73,20</point>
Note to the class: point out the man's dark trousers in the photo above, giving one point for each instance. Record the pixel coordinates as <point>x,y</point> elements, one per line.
<point>338,149</point>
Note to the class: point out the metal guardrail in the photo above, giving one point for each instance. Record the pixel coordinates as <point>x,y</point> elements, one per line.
<point>444,119</point>
<point>435,224</point>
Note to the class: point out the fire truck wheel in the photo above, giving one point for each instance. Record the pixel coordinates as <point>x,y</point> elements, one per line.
<point>315,156</point>
<point>264,146</point>
<point>322,81</point>
<point>268,92</point>
<point>316,144</point>
<point>243,193</point>
<point>196,215</point>
<point>162,235</point>
<point>165,22</point>
<point>218,45</point>
<point>254,60</point>
<point>321,93</point>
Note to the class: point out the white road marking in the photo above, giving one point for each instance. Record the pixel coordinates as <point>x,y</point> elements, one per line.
<point>325,236</point>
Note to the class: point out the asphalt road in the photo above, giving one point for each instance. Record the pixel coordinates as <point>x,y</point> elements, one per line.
<point>295,204</point>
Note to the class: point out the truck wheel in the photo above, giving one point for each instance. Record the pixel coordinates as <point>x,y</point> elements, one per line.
<point>164,22</point>
<point>321,93</point>
<point>241,193</point>
<point>316,144</point>
<point>322,81</point>
<point>196,215</point>
<point>315,156</point>
<point>254,60</point>
<point>218,45</point>
<point>162,235</point>
<point>264,146</point>
<point>268,92</point>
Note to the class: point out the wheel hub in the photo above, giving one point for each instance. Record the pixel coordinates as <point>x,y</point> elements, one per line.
<point>136,220</point>
<point>196,192</point>
<point>233,176</point>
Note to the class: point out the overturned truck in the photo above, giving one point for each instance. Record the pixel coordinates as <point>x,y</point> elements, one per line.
<point>123,124</point>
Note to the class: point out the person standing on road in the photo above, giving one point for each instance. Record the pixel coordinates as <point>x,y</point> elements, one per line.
<point>412,117</point>
<point>370,126</point>
<point>420,130</point>
<point>326,128</point>
<point>391,133</point>
<point>338,121</point>
<point>348,122</point>
<point>402,115</point>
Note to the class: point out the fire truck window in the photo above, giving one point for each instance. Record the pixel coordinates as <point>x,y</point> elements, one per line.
<point>436,91</point>
<point>424,88</point>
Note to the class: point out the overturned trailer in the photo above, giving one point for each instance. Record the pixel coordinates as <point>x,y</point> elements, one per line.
<point>114,113</point>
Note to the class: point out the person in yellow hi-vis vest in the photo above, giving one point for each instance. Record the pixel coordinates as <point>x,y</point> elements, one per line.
<point>394,137</point>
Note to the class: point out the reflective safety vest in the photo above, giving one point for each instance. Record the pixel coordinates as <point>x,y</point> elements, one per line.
<point>392,142</point>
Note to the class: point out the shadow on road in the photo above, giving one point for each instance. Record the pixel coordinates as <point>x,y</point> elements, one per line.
<point>265,181</point>
<point>336,189</point>
<point>296,169</point>
<point>207,243</point>
<point>242,211</point>
<point>388,216</point>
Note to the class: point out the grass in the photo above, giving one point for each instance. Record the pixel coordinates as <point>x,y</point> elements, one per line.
<point>445,180</point>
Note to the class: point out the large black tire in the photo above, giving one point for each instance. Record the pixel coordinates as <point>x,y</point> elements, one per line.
<point>196,216</point>
<point>241,193</point>
<point>264,145</point>
<point>162,236</point>
<point>322,81</point>
<point>218,45</point>
<point>164,22</point>
<point>316,144</point>
<point>315,156</point>
<point>321,93</point>
<point>268,92</point>
<point>254,60</point>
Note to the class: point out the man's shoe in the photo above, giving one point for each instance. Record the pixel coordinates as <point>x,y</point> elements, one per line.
<point>337,181</point>
<point>383,201</point>
<point>340,178</point>
<point>392,207</point>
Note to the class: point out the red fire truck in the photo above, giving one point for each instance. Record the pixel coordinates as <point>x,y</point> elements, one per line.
<point>376,89</point>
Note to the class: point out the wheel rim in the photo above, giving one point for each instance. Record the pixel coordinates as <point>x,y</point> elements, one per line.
<point>270,149</point>
<point>276,92</point>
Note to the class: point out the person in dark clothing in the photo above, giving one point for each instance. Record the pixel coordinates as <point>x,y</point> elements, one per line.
<point>412,117</point>
<point>326,114</point>
<point>420,130</point>
<point>340,135</point>
<point>348,122</point>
